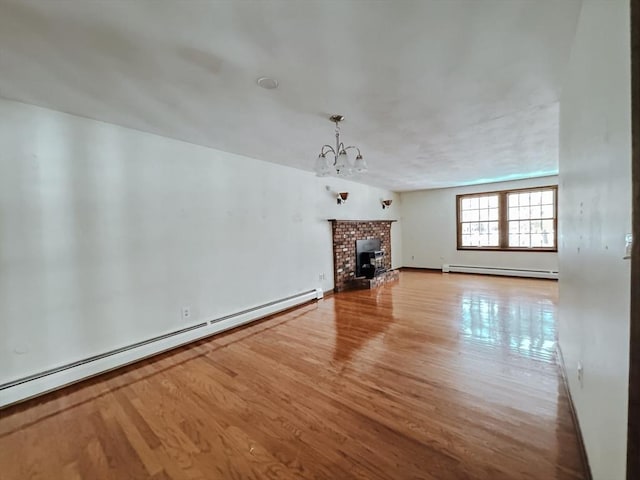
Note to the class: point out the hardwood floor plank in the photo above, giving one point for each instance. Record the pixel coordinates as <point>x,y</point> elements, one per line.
<point>438,376</point>
<point>133,425</point>
<point>130,412</point>
<point>120,454</point>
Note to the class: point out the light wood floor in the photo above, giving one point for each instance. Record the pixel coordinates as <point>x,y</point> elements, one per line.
<point>439,376</point>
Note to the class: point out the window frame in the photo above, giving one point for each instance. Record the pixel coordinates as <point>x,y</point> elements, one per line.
<point>503,220</point>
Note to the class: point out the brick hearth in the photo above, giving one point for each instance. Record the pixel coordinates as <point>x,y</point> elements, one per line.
<point>345,234</point>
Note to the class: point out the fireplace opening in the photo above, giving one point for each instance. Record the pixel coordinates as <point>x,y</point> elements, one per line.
<point>369,258</point>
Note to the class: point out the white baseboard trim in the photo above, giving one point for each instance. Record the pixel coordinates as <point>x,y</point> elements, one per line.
<point>510,272</point>
<point>38,384</point>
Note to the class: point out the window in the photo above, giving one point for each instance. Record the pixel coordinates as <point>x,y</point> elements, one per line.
<point>479,222</point>
<point>508,220</point>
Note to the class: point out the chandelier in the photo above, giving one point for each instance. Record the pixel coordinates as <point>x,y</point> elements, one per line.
<point>339,163</point>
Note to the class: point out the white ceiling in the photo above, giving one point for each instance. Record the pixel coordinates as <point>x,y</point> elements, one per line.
<point>435,92</point>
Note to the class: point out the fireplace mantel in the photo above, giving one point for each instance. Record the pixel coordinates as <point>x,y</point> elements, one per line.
<point>359,221</point>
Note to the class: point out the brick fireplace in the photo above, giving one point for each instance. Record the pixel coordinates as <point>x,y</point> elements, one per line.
<point>345,234</point>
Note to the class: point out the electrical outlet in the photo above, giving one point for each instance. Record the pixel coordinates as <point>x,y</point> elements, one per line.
<point>186,313</point>
<point>580,374</point>
<point>322,277</point>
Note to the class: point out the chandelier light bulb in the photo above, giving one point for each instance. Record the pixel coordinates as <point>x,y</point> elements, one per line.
<point>323,169</point>
<point>360,164</point>
<point>342,162</point>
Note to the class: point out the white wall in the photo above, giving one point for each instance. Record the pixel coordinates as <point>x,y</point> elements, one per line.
<point>429,230</point>
<point>595,214</point>
<point>106,232</point>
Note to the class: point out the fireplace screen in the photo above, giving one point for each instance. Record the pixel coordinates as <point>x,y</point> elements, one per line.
<point>369,258</point>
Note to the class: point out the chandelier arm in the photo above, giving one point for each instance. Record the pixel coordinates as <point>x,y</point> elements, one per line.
<point>329,148</point>
<point>353,146</point>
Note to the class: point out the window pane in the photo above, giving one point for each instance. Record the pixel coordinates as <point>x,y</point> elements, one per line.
<point>484,227</point>
<point>484,214</point>
<point>536,211</point>
<point>524,198</point>
<point>514,213</point>
<point>514,227</point>
<point>536,226</point>
<point>514,240</point>
<point>484,202</point>
<point>489,240</point>
<point>547,240</point>
<point>473,202</point>
<point>546,211</point>
<point>536,198</point>
<point>493,201</point>
<point>547,197</point>
<point>525,226</point>
<point>466,204</point>
<point>470,240</point>
<point>513,200</point>
<point>470,216</point>
<point>525,241</point>
<point>536,240</point>
<point>548,236</point>
<point>493,214</point>
<point>466,229</point>
<point>493,227</point>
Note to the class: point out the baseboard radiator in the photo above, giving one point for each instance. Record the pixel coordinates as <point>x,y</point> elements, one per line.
<point>510,272</point>
<point>43,382</point>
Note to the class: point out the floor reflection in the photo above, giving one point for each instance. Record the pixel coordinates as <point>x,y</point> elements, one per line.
<point>358,322</point>
<point>524,328</point>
